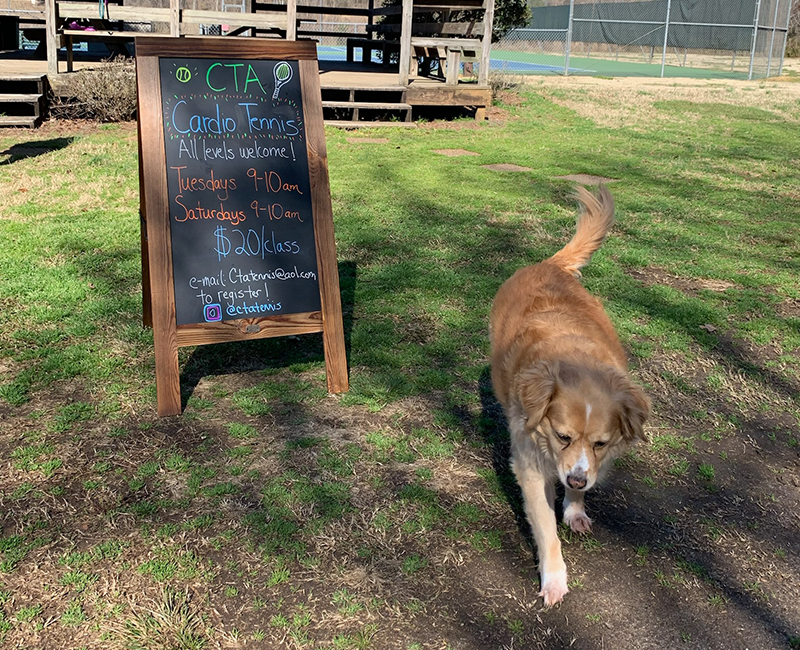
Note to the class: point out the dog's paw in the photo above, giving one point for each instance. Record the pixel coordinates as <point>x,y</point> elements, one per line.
<point>579,522</point>
<point>554,587</point>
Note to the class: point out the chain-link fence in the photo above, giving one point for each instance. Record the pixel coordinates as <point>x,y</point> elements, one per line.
<point>661,38</point>
<point>331,35</point>
<point>649,38</point>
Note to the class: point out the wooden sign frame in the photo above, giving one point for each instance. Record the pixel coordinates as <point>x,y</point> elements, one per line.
<point>159,302</point>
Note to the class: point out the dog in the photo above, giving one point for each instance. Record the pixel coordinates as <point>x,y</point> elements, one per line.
<point>561,375</point>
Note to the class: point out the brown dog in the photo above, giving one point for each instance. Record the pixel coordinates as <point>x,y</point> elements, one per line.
<point>561,375</point>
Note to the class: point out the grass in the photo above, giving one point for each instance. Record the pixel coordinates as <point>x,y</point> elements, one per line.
<point>73,615</point>
<point>172,621</point>
<point>389,514</point>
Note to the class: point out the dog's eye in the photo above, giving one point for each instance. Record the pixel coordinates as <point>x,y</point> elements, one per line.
<point>564,438</point>
<point>600,443</point>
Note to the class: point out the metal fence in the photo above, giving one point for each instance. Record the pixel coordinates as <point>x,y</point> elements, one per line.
<point>743,39</point>
<point>662,38</point>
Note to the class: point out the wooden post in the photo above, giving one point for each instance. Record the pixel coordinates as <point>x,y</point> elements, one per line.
<point>159,258</point>
<point>486,44</point>
<point>291,20</point>
<point>51,36</point>
<point>174,17</point>
<point>405,41</point>
<point>453,66</point>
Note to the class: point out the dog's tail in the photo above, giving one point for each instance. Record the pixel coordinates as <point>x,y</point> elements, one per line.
<point>594,221</point>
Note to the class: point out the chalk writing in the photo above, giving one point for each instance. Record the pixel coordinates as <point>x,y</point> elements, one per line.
<point>239,190</point>
<point>193,183</point>
<point>275,211</point>
<point>221,74</point>
<point>258,151</point>
<point>251,243</point>
<point>191,115</point>
<point>271,181</point>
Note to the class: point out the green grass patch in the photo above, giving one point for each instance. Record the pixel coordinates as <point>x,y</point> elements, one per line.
<point>73,615</point>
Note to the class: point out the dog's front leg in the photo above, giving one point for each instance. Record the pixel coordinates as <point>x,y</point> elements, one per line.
<point>539,494</point>
<point>574,512</point>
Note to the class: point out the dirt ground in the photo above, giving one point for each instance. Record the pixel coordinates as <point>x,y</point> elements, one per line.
<point>674,560</point>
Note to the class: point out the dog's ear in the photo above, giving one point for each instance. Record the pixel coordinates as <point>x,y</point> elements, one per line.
<point>633,409</point>
<point>535,387</point>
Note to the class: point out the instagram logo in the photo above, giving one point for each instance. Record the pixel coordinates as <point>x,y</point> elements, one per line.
<point>212,313</point>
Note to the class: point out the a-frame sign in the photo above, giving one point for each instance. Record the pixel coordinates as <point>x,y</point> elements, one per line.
<point>237,227</point>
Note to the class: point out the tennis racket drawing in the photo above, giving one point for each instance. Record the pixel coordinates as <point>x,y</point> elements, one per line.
<point>283,74</point>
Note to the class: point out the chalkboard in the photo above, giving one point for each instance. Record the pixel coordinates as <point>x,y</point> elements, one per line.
<point>237,227</point>
<point>241,220</point>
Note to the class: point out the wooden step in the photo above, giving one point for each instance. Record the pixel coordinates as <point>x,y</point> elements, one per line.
<point>23,94</point>
<point>28,121</point>
<point>355,107</point>
<point>14,80</point>
<point>35,78</point>
<point>349,124</point>
<point>369,105</point>
<point>13,98</point>
<point>365,88</point>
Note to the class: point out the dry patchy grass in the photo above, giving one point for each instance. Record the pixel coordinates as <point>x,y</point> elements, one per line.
<point>629,101</point>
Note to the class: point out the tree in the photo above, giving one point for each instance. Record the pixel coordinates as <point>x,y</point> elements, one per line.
<point>793,44</point>
<point>509,14</point>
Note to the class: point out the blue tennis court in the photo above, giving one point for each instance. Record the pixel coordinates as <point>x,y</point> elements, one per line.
<point>497,63</point>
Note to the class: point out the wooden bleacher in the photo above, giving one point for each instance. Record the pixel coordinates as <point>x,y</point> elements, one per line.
<point>111,28</point>
<point>422,44</point>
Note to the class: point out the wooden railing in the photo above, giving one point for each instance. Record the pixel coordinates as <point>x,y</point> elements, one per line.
<point>440,39</point>
<point>448,41</point>
<point>58,13</point>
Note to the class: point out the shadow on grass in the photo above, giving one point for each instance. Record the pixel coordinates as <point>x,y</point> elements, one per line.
<point>33,149</point>
<point>495,434</point>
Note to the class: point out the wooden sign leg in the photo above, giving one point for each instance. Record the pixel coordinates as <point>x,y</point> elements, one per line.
<point>332,327</point>
<point>333,340</point>
<point>147,305</point>
<point>168,380</point>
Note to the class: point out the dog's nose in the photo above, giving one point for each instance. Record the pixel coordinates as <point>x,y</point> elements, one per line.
<point>576,481</point>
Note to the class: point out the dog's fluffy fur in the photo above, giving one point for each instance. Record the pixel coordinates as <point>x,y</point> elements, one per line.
<point>561,375</point>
